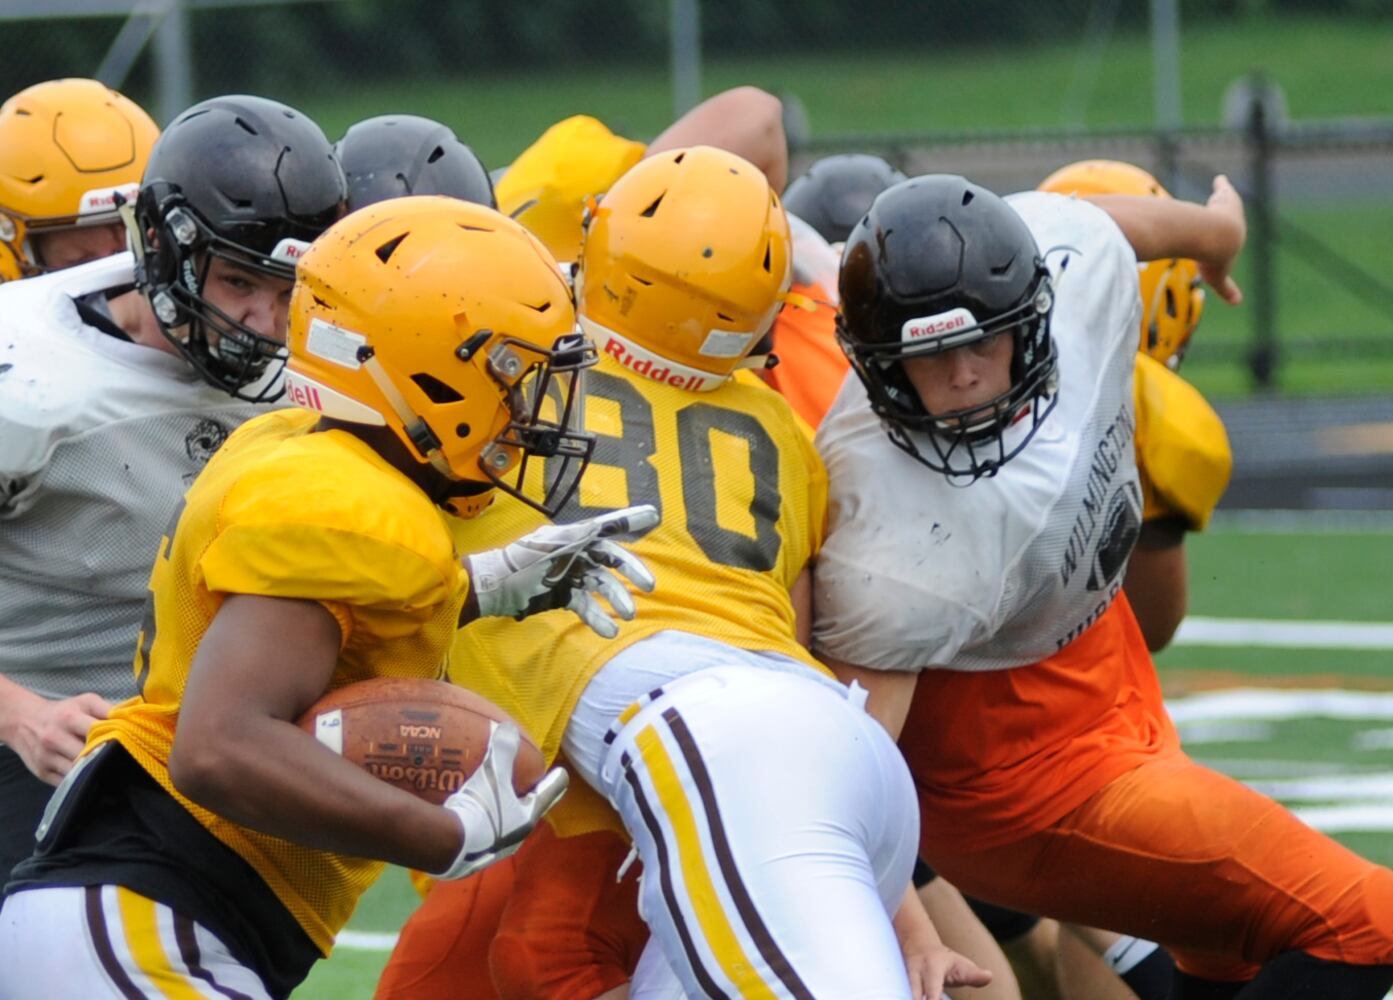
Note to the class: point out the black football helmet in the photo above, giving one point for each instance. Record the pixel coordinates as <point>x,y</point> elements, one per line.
<point>396,155</point>
<point>834,193</point>
<point>936,264</point>
<point>245,179</point>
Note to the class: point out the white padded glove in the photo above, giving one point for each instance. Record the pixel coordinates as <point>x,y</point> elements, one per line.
<point>495,820</point>
<point>566,566</point>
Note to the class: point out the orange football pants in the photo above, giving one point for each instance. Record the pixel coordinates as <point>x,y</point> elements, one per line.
<point>1177,853</point>
<point>550,923</point>
<point>443,950</point>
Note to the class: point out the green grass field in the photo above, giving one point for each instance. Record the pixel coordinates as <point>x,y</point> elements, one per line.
<point>1234,573</point>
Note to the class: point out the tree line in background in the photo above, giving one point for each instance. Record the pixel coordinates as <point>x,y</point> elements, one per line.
<point>329,42</point>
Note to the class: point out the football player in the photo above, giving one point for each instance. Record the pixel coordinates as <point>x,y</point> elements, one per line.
<point>981,598</point>
<point>770,822</point>
<point>67,149</point>
<point>204,839</point>
<point>112,399</point>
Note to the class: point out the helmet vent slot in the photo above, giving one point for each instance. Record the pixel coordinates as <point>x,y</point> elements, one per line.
<point>245,125</point>
<point>1001,269</point>
<point>1171,310</point>
<point>723,316</point>
<point>540,307</point>
<point>768,260</point>
<point>967,197</point>
<point>647,213</point>
<point>385,251</point>
<point>680,157</point>
<point>436,154</point>
<point>642,281</point>
<point>436,391</point>
<point>474,229</point>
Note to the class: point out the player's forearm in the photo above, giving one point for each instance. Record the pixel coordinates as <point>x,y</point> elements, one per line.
<point>1159,228</point>
<point>745,121</point>
<point>912,922</point>
<point>270,776</point>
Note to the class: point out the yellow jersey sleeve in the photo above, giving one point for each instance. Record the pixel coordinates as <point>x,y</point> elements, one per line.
<point>295,527</point>
<point>1183,452</point>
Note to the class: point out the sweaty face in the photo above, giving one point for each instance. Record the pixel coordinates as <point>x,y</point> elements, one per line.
<point>965,377</point>
<point>68,247</point>
<point>258,301</point>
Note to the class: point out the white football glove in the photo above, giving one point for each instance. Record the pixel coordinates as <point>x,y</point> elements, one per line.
<point>565,566</point>
<point>494,819</point>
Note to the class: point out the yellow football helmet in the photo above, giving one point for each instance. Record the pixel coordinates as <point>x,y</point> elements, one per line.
<point>684,267</point>
<point>548,185</point>
<point>1172,299</point>
<point>450,324</point>
<point>67,147</point>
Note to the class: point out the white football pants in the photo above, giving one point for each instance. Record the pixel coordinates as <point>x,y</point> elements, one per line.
<point>65,943</point>
<point>776,820</point>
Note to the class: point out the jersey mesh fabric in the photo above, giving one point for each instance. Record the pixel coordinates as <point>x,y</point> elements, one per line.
<point>282,512</point>
<point>99,438</point>
<point>1183,452</point>
<point>743,500</point>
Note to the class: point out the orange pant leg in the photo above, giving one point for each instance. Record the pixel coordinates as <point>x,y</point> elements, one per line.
<point>443,949</point>
<point>1177,853</point>
<point>570,930</point>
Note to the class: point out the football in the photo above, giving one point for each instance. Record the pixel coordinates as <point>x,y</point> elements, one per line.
<point>426,737</point>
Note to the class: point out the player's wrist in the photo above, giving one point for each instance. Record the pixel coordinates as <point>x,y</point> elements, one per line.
<point>477,836</point>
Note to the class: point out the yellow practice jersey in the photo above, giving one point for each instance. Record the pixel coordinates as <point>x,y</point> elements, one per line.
<point>1183,451</point>
<point>743,498</point>
<point>283,512</point>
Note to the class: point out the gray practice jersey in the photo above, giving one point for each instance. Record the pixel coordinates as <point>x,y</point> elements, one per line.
<point>917,572</point>
<point>99,438</point>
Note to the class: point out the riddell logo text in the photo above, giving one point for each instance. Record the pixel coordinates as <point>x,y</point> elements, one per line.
<point>303,395</point>
<point>934,325</point>
<point>646,367</point>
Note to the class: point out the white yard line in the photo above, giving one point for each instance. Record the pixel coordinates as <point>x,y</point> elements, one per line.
<point>1260,632</point>
<point>1259,703</point>
<point>365,941</point>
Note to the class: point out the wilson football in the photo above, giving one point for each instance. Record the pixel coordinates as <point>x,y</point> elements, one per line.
<point>423,736</point>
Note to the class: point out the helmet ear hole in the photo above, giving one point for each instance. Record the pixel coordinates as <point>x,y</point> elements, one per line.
<point>436,391</point>
<point>463,430</point>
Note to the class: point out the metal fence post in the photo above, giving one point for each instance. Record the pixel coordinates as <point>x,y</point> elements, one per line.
<point>173,62</point>
<point>1262,360</point>
<point>685,35</point>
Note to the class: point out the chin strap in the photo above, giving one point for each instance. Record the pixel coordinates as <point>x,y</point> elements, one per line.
<point>417,430</point>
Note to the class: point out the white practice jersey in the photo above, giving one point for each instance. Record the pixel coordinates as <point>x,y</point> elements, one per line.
<point>917,572</point>
<point>99,438</point>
